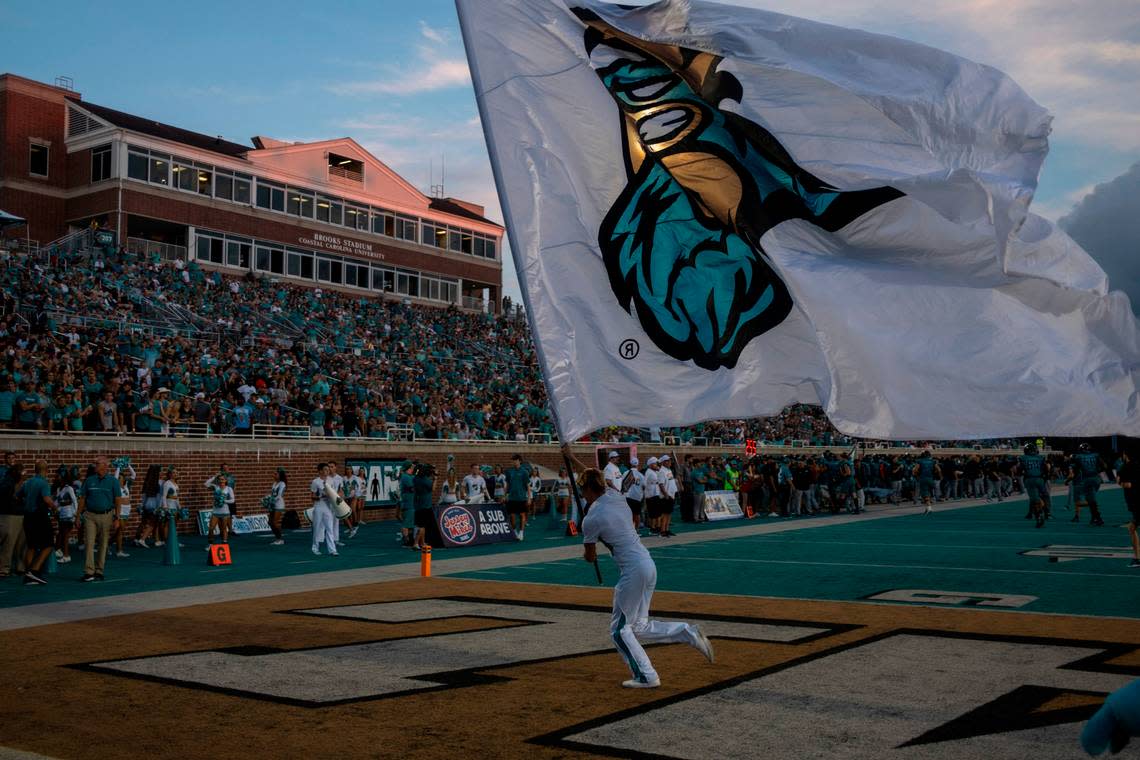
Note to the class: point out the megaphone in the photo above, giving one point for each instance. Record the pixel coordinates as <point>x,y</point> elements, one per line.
<point>339,505</point>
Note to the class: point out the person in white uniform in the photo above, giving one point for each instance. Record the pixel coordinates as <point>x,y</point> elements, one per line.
<point>474,486</point>
<point>635,492</point>
<point>613,472</point>
<point>608,521</point>
<point>324,522</point>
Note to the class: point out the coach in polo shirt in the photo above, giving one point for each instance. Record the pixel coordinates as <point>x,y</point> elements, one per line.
<point>98,503</point>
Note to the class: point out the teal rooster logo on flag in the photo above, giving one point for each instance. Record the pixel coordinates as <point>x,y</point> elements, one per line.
<point>682,242</point>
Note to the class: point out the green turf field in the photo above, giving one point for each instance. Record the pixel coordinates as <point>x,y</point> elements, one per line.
<point>979,550</point>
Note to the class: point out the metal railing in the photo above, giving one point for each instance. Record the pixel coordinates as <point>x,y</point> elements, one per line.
<point>260,430</point>
<point>165,251</point>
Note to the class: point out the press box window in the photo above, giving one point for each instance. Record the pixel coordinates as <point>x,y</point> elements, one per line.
<point>101,163</point>
<point>38,160</point>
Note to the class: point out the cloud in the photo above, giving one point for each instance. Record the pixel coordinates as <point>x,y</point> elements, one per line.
<point>432,34</point>
<point>427,77</point>
<point>1107,224</point>
<point>440,66</point>
<point>1081,61</point>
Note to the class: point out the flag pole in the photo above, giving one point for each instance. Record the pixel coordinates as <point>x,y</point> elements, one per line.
<point>520,264</point>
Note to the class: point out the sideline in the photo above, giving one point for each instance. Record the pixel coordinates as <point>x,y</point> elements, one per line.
<point>74,610</point>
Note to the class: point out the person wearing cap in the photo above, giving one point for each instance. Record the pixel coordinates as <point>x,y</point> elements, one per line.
<point>1114,724</point>
<point>635,492</point>
<point>613,472</point>
<point>669,490</point>
<point>653,492</point>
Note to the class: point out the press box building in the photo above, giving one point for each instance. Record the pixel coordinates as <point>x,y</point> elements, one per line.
<point>327,213</point>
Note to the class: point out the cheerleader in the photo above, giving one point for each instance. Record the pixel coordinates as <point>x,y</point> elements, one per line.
<point>562,488</point>
<point>125,480</point>
<point>534,486</point>
<point>276,503</point>
<point>169,504</point>
<point>357,485</point>
<point>224,504</point>
<point>151,496</point>
<point>449,491</point>
<point>66,501</point>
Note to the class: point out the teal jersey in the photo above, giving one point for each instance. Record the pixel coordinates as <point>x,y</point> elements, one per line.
<point>7,405</point>
<point>1033,466</point>
<point>407,491</point>
<point>422,486</point>
<point>1087,464</point>
<point>926,468</point>
<point>101,493</point>
<point>518,478</point>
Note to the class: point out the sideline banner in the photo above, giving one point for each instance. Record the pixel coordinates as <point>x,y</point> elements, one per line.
<point>473,524</point>
<point>239,525</point>
<point>721,505</point>
<point>381,480</point>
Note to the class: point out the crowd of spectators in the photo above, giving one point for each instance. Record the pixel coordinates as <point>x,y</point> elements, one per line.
<point>104,340</point>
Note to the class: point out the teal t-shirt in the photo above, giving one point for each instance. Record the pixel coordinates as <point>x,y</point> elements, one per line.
<point>7,405</point>
<point>926,468</point>
<point>407,491</point>
<point>518,478</point>
<point>35,489</point>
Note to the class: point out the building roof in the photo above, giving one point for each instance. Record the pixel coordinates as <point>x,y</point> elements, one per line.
<point>448,206</point>
<point>165,131</point>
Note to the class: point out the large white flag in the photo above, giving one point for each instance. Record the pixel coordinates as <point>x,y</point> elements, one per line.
<point>717,211</point>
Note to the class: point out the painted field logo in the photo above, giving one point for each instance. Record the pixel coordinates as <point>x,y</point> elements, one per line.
<point>458,525</point>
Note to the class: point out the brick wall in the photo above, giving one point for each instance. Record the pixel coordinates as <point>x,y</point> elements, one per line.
<point>253,463</point>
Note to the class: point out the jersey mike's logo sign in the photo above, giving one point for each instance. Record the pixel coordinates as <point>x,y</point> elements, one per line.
<point>682,242</point>
<point>457,525</point>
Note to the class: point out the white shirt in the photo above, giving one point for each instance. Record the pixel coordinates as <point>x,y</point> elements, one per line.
<point>637,487</point>
<point>669,483</point>
<point>318,489</point>
<point>66,502</point>
<point>278,494</point>
<point>169,494</point>
<point>608,521</point>
<point>652,484</point>
<point>337,482</point>
<point>475,487</point>
<point>613,476</point>
<point>535,486</point>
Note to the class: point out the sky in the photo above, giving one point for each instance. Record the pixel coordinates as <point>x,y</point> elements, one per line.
<point>392,74</point>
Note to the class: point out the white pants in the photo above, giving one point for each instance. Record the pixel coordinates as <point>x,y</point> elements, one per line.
<point>631,625</point>
<point>324,525</point>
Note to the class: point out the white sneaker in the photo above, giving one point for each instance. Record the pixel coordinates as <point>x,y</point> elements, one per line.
<point>208,547</point>
<point>334,554</point>
<point>773,514</point>
<point>59,554</point>
<point>522,535</point>
<point>159,543</point>
<point>702,644</point>
<point>352,533</point>
<point>278,542</point>
<point>63,560</point>
<point>929,510</point>
<point>143,544</point>
<point>340,543</point>
<point>316,551</point>
<point>121,554</point>
<point>634,683</point>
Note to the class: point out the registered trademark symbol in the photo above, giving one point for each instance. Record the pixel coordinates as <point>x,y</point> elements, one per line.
<point>629,349</point>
